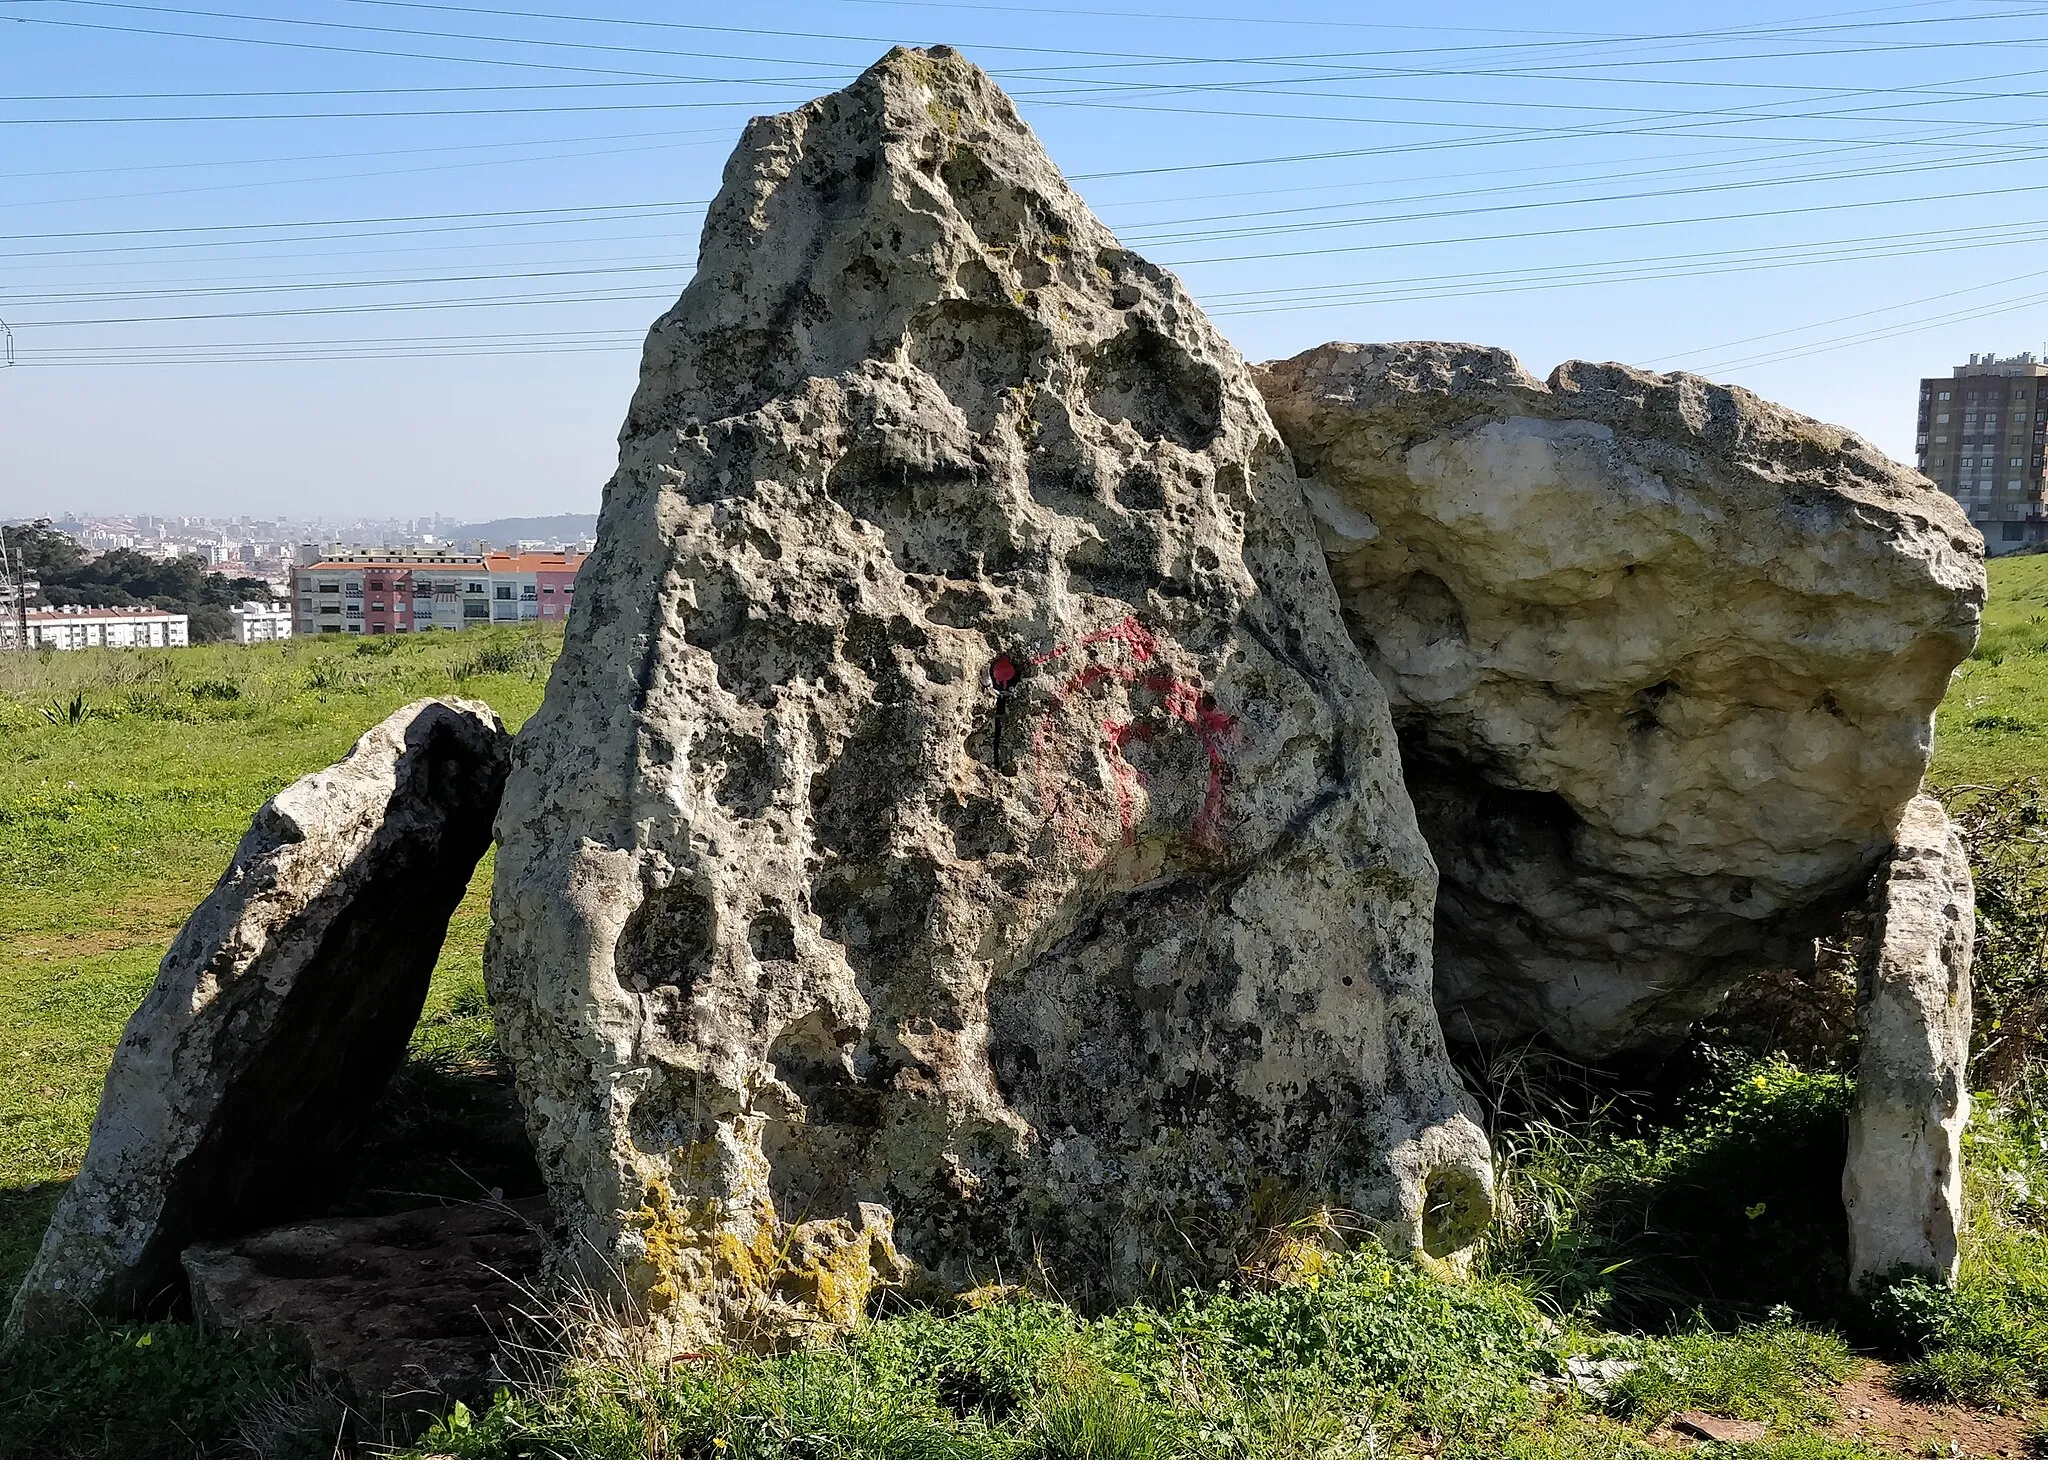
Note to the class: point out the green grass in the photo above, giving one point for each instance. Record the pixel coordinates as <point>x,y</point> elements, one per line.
<point>1726,1207</point>
<point>1374,1358</point>
<point>1993,725</point>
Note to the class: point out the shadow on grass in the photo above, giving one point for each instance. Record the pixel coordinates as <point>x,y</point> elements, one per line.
<point>24,1213</point>
<point>448,1127</point>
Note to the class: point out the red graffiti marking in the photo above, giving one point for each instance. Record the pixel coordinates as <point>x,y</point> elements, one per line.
<point>1182,703</point>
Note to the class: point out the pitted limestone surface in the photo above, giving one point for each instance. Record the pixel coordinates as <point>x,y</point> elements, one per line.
<point>1664,658</point>
<point>960,831</point>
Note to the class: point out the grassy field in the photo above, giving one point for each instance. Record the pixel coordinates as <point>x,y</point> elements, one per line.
<point>1993,727</point>
<point>1640,1267</point>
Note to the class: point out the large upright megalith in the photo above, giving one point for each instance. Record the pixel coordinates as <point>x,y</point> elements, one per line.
<point>959,831</point>
<point>277,1017</point>
<point>1664,658</point>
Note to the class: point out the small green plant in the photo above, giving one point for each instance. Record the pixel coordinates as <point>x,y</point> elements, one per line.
<point>330,675</point>
<point>500,656</point>
<point>215,691</point>
<point>150,704</point>
<point>71,713</point>
<point>1097,1418</point>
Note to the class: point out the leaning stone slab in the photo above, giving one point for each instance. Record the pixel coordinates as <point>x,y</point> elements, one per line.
<point>1663,657</point>
<point>1903,1184</point>
<point>278,1015</point>
<point>959,834</point>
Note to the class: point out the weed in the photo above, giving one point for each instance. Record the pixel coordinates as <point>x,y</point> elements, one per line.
<point>328,676</point>
<point>1094,1417</point>
<point>72,713</point>
<point>153,704</point>
<point>218,691</point>
<point>520,655</point>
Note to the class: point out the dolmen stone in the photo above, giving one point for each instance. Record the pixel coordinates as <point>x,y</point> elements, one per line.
<point>279,1014</point>
<point>405,1312</point>
<point>1663,657</point>
<point>1903,1182</point>
<point>960,840</point>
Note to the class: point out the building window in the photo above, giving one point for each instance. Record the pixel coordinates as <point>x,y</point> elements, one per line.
<point>504,591</point>
<point>1942,396</point>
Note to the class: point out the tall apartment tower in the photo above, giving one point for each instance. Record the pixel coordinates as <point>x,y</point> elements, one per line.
<point>1980,438</point>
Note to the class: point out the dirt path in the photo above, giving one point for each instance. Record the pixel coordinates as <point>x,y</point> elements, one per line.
<point>1878,1417</point>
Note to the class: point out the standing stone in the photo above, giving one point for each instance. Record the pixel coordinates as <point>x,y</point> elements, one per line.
<point>959,831</point>
<point>1903,1185</point>
<point>278,1016</point>
<point>1664,658</point>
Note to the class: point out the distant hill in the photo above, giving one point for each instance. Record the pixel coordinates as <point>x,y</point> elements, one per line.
<point>499,531</point>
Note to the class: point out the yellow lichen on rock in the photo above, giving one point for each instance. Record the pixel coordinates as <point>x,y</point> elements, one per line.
<point>751,1273</point>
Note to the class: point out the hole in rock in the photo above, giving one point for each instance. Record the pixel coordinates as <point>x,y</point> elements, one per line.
<point>978,354</point>
<point>772,937</point>
<point>818,1159</point>
<point>1146,379</point>
<point>1455,1211</point>
<point>666,942</point>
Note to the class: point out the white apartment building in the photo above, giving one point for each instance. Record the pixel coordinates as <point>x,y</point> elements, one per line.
<point>106,628</point>
<point>261,623</point>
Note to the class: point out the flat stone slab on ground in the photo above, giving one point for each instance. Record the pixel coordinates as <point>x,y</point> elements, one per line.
<point>1714,1427</point>
<point>406,1305</point>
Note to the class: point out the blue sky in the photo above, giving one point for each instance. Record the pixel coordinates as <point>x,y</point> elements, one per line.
<point>396,256</point>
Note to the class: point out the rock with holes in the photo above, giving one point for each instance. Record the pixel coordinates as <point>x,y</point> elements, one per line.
<point>279,1014</point>
<point>1664,658</point>
<point>959,834</point>
<point>1903,1184</point>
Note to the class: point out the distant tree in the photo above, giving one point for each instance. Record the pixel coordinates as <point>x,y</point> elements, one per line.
<point>125,578</point>
<point>41,550</point>
<point>208,623</point>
